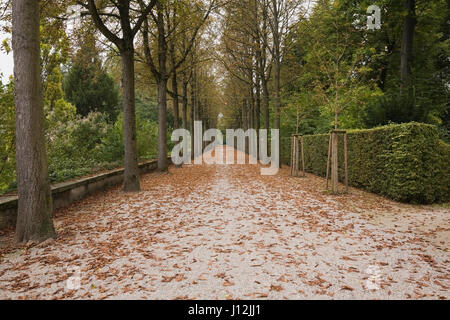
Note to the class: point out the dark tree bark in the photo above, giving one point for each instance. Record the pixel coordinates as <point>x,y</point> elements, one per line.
<point>131,175</point>
<point>161,80</point>
<point>277,89</point>
<point>276,63</point>
<point>193,113</point>
<point>251,109</point>
<point>262,68</point>
<point>258,103</point>
<point>176,102</point>
<point>173,61</point>
<point>184,103</point>
<point>265,103</point>
<point>34,219</point>
<point>244,115</point>
<point>258,58</point>
<point>163,164</point>
<point>409,25</point>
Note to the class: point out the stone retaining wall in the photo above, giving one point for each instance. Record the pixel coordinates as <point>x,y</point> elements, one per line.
<point>66,193</point>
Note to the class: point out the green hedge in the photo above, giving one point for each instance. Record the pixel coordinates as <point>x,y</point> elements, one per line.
<point>406,162</point>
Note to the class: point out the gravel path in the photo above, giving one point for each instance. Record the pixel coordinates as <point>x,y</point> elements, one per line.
<point>226,232</point>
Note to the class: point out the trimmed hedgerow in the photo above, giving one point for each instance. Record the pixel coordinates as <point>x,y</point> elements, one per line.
<point>406,162</point>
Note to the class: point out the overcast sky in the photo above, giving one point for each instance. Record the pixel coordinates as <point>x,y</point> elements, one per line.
<point>6,66</point>
<point>6,61</point>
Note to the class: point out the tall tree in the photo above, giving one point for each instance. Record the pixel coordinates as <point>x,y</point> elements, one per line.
<point>264,68</point>
<point>159,68</point>
<point>34,219</point>
<point>240,56</point>
<point>334,66</point>
<point>173,62</point>
<point>125,12</point>
<point>282,13</point>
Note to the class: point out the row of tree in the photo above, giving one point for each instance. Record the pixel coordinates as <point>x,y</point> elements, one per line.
<point>298,66</point>
<point>251,52</point>
<point>161,43</point>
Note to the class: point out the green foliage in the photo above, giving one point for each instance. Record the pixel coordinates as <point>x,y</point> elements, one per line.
<point>85,145</point>
<point>331,51</point>
<point>76,146</point>
<point>7,136</point>
<point>91,89</point>
<point>404,162</point>
<point>112,141</point>
<point>54,44</point>
<point>87,84</point>
<point>334,40</point>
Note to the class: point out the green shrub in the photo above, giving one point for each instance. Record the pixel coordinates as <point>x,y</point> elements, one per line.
<point>78,146</point>
<point>7,138</point>
<point>404,162</point>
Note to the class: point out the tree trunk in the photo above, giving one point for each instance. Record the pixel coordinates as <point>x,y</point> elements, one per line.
<point>176,112</point>
<point>409,25</point>
<point>162,91</point>
<point>276,64</point>
<point>131,176</point>
<point>258,104</point>
<point>265,104</point>
<point>277,98</point>
<point>244,115</point>
<point>336,120</point>
<point>162,125</point>
<point>262,68</point>
<point>334,162</point>
<point>193,101</point>
<point>251,116</point>
<point>34,219</point>
<point>277,68</point>
<point>185,105</point>
<point>258,60</point>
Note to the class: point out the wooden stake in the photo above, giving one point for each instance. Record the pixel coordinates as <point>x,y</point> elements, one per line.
<point>334,161</point>
<point>292,155</point>
<point>346,162</point>
<point>328,160</point>
<point>303,157</point>
<point>297,156</point>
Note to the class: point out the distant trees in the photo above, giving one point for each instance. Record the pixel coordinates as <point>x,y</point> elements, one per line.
<point>160,33</point>
<point>253,44</point>
<point>281,15</point>
<point>317,60</point>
